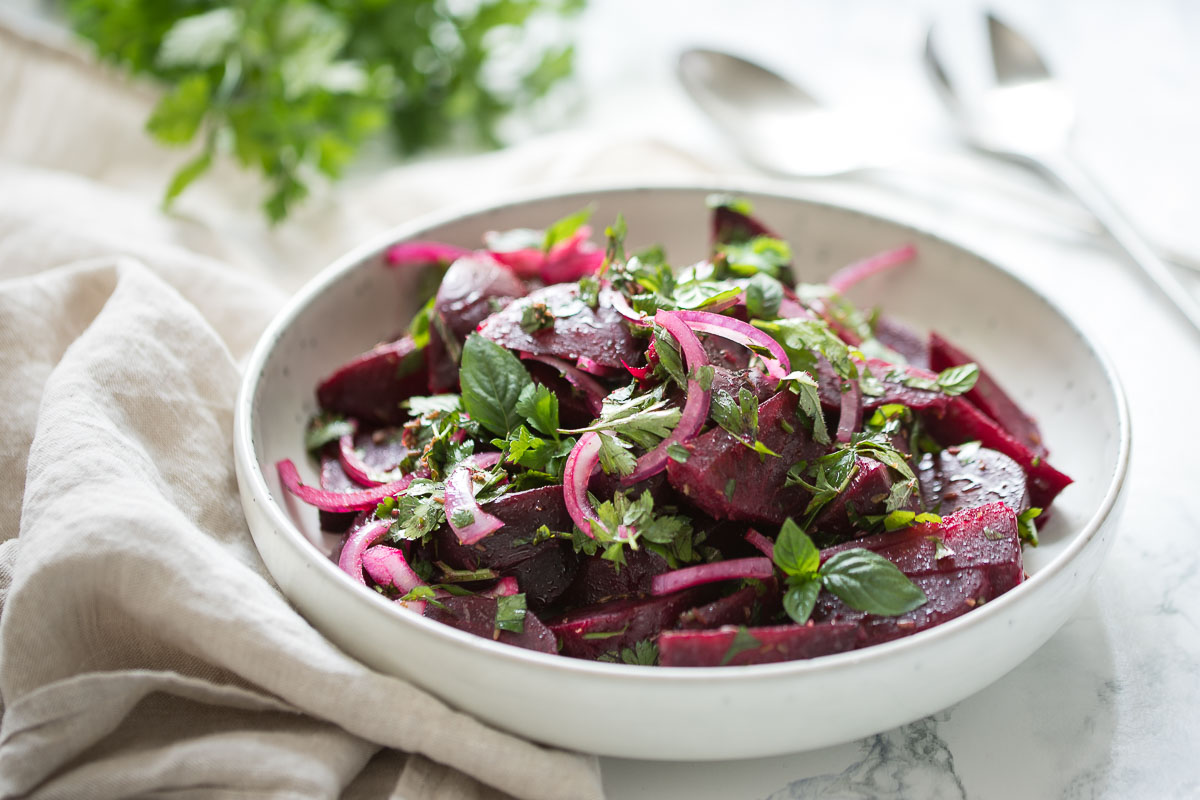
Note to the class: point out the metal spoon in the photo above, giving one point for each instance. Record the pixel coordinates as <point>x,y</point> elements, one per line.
<point>1025,116</point>
<point>781,128</point>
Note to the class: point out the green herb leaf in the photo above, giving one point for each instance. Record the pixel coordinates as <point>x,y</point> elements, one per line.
<point>492,380</point>
<point>940,549</point>
<point>678,453</point>
<point>668,356</point>
<point>510,613</point>
<point>539,405</point>
<point>462,517</point>
<point>801,597</point>
<point>1026,528</point>
<point>421,405</point>
<point>868,582</point>
<point>743,640</point>
<point>644,419</point>
<point>536,317</point>
<point>763,296</point>
<point>644,653</point>
<point>795,552</point>
<point>958,380</point>
<point>326,428</point>
<point>615,457</point>
<point>566,227</point>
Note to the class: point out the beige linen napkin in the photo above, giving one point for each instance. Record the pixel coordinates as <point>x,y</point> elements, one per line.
<point>144,650</point>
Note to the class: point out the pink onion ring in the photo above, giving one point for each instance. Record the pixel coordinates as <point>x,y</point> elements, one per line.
<point>850,415</point>
<point>420,253</point>
<point>743,333</point>
<point>460,496</point>
<point>851,274</point>
<point>695,410</point>
<point>761,543</point>
<point>581,462</point>
<point>289,476</point>
<point>677,580</point>
<point>505,587</point>
<point>357,541</point>
<point>388,567</point>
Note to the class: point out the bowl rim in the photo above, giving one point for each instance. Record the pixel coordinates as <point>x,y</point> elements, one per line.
<point>253,477</point>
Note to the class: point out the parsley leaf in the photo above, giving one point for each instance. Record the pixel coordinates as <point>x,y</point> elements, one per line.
<point>644,419</point>
<point>492,380</point>
<point>510,613</point>
<point>539,405</point>
<point>536,317</point>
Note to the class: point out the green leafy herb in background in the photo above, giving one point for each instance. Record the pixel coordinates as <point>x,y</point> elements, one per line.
<point>292,89</point>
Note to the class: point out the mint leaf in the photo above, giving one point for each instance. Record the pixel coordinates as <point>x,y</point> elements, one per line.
<point>743,640</point>
<point>539,405</point>
<point>763,296</point>
<point>565,228</point>
<point>510,613</point>
<point>492,380</point>
<point>958,380</point>
<point>801,597</point>
<point>795,552</point>
<point>868,582</point>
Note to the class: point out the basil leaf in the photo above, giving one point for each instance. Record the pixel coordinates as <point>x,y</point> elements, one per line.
<point>958,380</point>
<point>510,613</point>
<point>763,296</point>
<point>868,582</point>
<point>801,596</point>
<point>492,381</point>
<point>795,553</point>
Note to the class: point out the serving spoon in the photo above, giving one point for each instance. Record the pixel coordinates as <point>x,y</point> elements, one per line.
<point>781,128</point>
<point>1024,115</point>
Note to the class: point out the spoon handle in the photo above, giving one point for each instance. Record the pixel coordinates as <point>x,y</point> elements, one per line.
<point>1078,180</point>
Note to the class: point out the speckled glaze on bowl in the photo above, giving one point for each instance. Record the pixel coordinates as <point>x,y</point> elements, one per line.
<point>680,713</point>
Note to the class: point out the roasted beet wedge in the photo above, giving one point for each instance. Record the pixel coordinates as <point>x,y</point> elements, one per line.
<point>734,646</point>
<point>573,329</point>
<point>599,580</point>
<point>950,595</point>
<point>474,287</point>
<point>371,386</point>
<point>728,480</point>
<point>988,397</point>
<point>896,390</point>
<point>731,225</point>
<point>983,538</point>
<point>477,615</point>
<point>744,607</point>
<point>866,495</point>
<point>955,479</point>
<point>592,631</point>
<point>545,575</point>
<point>959,421</point>
<point>522,514</point>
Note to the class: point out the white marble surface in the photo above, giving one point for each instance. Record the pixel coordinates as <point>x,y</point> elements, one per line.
<point>1110,706</point>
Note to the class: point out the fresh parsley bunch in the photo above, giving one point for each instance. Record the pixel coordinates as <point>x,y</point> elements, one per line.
<point>292,88</point>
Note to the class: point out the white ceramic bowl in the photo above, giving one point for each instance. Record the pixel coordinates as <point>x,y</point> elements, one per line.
<point>680,713</point>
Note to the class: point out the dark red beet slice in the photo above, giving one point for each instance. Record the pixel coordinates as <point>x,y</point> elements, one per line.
<point>473,288</point>
<point>959,421</point>
<point>371,386</point>
<point>477,615</point>
<point>743,607</point>
<point>732,381</point>
<point>599,580</point>
<point>983,538</point>
<point>730,225</point>
<point>545,575</point>
<point>950,595</point>
<point>727,480</point>
<point>442,369</point>
<point>904,340</point>
<point>988,397</point>
<point>866,495</point>
<point>522,514</point>
<point>724,353</point>
<point>949,485</point>
<point>599,334</point>
<point>584,632</point>
<point>714,648</point>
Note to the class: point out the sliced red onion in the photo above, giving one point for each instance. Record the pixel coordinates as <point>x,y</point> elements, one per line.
<point>353,465</point>
<point>727,303</point>
<point>460,496</point>
<point>591,389</point>
<point>505,587</point>
<point>388,567</point>
<point>849,275</point>
<point>676,580</point>
<point>789,308</point>
<point>850,415</point>
<point>357,542</point>
<point>337,501</point>
<point>581,463</point>
<point>572,259</point>
<point>421,253</point>
<point>743,333</point>
<point>622,307</point>
<point>761,543</point>
<point>638,372</point>
<point>593,367</point>
<point>484,460</point>
<point>695,410</point>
